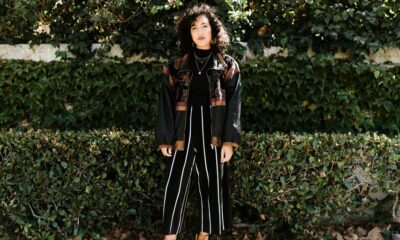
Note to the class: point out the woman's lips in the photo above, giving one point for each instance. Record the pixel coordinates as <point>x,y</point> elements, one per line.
<point>201,38</point>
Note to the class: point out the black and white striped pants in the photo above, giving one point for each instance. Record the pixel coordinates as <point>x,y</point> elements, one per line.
<point>212,179</point>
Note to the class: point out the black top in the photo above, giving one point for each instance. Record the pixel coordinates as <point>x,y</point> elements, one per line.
<point>199,93</point>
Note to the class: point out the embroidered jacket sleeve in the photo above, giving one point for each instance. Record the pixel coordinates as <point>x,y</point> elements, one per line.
<point>164,132</point>
<point>232,127</point>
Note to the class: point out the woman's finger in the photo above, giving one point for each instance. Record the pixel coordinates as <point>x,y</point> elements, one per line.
<point>169,151</point>
<point>166,152</point>
<point>227,156</point>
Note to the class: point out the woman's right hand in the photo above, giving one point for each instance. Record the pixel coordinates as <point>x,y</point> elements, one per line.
<point>166,151</point>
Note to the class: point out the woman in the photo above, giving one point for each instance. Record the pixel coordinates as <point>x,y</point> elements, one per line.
<point>198,123</point>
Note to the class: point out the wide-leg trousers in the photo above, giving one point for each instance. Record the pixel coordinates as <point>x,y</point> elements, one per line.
<point>200,157</point>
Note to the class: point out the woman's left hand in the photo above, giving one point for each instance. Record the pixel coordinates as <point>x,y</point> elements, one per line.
<point>226,153</point>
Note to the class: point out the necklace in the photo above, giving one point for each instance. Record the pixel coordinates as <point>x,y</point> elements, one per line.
<point>201,60</point>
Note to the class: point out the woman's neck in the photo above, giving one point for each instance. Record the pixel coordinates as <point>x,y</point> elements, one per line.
<point>202,52</point>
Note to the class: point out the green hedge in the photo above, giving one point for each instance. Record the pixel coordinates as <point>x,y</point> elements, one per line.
<point>74,95</point>
<point>59,184</point>
<point>322,95</point>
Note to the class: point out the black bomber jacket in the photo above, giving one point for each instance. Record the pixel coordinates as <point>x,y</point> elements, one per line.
<point>224,85</point>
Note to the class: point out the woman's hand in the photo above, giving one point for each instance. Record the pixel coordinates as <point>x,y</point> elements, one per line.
<point>226,153</point>
<point>166,151</point>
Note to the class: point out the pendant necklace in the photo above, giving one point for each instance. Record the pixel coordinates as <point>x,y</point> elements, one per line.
<point>201,60</point>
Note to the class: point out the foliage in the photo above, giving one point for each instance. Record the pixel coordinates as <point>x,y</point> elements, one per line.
<point>147,27</point>
<point>357,26</point>
<point>321,95</point>
<point>277,95</point>
<point>60,184</point>
<point>78,95</point>
<point>297,180</point>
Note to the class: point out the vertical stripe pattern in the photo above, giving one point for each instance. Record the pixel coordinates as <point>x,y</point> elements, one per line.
<point>201,200</point>
<point>217,164</point>
<point>205,165</point>
<point>183,172</point>
<point>166,187</point>
<point>212,181</point>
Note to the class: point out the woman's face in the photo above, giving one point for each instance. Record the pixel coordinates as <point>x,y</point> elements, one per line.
<point>201,32</point>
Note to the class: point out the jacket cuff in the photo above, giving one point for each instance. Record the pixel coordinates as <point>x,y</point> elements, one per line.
<point>164,145</point>
<point>234,145</point>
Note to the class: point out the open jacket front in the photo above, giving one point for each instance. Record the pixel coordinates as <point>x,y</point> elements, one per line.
<point>224,85</point>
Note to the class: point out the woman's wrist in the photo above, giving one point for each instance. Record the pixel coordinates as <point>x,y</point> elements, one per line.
<point>232,144</point>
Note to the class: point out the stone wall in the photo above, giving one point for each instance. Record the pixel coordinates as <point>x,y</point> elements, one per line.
<point>47,53</point>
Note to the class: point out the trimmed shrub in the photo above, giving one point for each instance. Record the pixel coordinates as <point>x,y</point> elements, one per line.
<point>278,95</point>
<point>60,184</point>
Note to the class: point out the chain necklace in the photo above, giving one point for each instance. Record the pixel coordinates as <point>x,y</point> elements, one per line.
<point>201,60</point>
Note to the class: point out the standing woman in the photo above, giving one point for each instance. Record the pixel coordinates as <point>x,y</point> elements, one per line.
<point>198,122</point>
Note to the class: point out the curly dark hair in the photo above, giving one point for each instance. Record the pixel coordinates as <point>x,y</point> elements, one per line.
<point>218,30</point>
